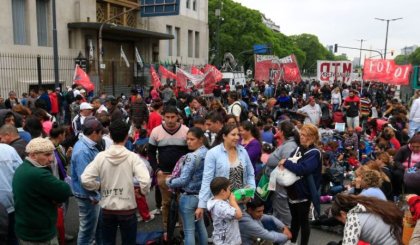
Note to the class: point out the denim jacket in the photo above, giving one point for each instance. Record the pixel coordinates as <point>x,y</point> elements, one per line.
<point>216,164</point>
<point>84,152</point>
<point>191,172</point>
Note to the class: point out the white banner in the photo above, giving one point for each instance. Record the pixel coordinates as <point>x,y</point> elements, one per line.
<point>329,71</point>
<point>124,57</point>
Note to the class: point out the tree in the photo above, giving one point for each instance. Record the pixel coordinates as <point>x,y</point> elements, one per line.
<point>401,59</point>
<point>240,29</point>
<point>341,57</point>
<point>414,58</point>
<point>313,50</point>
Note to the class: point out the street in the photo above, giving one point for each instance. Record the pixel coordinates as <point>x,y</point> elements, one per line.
<point>318,237</point>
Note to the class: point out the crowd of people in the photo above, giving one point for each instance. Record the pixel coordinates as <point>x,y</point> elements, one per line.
<point>355,146</point>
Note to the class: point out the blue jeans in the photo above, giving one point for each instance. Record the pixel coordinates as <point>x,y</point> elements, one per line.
<point>128,228</point>
<point>89,222</point>
<point>187,206</point>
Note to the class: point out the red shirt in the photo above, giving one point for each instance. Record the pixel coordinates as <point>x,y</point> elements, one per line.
<point>155,119</point>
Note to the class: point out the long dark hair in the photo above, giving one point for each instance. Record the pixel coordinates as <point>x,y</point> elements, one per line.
<point>387,211</point>
<point>199,134</point>
<point>289,130</point>
<point>224,132</point>
<point>248,126</point>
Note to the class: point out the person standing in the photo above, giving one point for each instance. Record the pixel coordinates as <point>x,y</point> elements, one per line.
<point>305,190</point>
<point>414,117</point>
<point>167,143</point>
<point>36,194</point>
<point>352,106</point>
<point>111,172</point>
<point>312,112</point>
<point>235,107</point>
<point>9,162</point>
<point>84,151</point>
<point>78,121</point>
<point>10,135</point>
<point>12,100</point>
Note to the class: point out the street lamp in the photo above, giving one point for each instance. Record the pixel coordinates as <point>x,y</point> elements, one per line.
<point>361,44</point>
<point>100,40</point>
<point>387,26</point>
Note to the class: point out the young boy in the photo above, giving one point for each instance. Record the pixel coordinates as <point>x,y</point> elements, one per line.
<point>225,213</point>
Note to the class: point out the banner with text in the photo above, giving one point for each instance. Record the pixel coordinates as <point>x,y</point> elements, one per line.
<point>386,71</point>
<point>329,71</point>
<point>270,67</point>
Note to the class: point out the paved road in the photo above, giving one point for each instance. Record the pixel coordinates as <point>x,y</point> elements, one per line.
<point>318,237</point>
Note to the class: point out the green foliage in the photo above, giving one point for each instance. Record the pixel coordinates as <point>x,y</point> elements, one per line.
<point>401,59</point>
<point>340,57</point>
<point>240,29</point>
<point>414,58</point>
<point>313,50</point>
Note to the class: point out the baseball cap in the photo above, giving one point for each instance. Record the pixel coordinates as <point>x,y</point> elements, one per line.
<point>110,98</point>
<point>85,106</point>
<point>92,123</point>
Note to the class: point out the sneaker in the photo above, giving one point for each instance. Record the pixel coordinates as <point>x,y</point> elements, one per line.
<point>157,211</point>
<point>152,217</point>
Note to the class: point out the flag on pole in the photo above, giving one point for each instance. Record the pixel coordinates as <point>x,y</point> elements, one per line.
<point>81,78</point>
<point>196,71</point>
<point>166,74</point>
<point>138,58</point>
<point>155,78</point>
<point>124,57</point>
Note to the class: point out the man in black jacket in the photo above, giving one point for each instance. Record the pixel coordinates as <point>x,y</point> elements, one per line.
<point>11,101</point>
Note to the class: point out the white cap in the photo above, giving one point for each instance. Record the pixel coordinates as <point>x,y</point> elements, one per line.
<point>85,106</point>
<point>82,91</point>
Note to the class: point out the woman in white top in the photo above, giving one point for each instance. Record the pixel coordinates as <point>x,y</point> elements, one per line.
<point>336,98</point>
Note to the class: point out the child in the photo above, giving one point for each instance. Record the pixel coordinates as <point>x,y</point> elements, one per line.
<point>225,213</point>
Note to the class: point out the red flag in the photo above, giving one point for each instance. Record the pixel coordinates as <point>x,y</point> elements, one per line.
<point>181,79</point>
<point>81,78</point>
<point>195,71</point>
<point>217,74</point>
<point>155,78</point>
<point>386,71</point>
<point>165,73</point>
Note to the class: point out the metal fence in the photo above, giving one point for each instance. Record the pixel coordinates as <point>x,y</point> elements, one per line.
<point>19,71</point>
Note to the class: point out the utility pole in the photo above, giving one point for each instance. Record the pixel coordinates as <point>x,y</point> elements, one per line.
<point>387,27</point>
<point>218,13</point>
<point>360,55</point>
<point>55,47</point>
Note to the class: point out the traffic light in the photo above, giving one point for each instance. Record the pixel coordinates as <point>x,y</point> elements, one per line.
<point>335,48</point>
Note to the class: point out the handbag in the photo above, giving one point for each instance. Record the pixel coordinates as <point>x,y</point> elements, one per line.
<point>285,177</point>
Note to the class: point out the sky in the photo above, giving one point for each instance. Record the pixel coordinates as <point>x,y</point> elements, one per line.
<point>345,22</point>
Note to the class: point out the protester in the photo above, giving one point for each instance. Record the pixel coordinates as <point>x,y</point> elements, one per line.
<point>304,190</point>
<point>368,219</point>
<point>114,168</point>
<point>189,182</point>
<point>225,212</point>
<point>36,193</point>
<point>229,160</point>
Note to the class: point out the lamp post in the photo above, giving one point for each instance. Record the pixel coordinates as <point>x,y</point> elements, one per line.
<point>100,40</point>
<point>387,27</point>
<point>218,13</point>
<point>360,55</point>
<point>55,47</point>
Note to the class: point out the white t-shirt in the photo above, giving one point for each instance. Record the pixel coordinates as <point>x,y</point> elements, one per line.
<point>235,109</point>
<point>314,113</point>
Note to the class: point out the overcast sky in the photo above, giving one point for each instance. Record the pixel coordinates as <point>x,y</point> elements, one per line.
<point>346,21</point>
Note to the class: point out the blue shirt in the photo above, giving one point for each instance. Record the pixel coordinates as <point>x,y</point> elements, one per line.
<point>217,164</point>
<point>9,162</point>
<point>191,173</point>
<point>84,152</point>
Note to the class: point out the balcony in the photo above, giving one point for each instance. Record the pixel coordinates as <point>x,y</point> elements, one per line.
<point>106,9</point>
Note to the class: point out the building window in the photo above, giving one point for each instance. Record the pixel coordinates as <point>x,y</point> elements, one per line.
<point>19,22</point>
<point>190,43</point>
<point>197,44</point>
<point>194,5</point>
<point>188,4</point>
<point>42,22</point>
<point>177,42</point>
<point>169,47</point>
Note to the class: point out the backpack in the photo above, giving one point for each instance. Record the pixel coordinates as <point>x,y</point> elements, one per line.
<point>244,112</point>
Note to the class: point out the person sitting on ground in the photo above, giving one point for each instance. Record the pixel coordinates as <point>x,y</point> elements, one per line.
<point>368,219</point>
<point>256,225</point>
